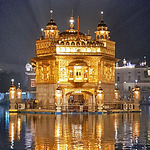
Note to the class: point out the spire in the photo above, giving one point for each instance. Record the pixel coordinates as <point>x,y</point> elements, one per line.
<point>19,85</point>
<point>71,21</point>
<point>102,17</point>
<point>51,22</point>
<point>12,82</point>
<point>102,24</point>
<point>42,31</point>
<point>51,14</point>
<point>78,25</point>
<point>102,27</point>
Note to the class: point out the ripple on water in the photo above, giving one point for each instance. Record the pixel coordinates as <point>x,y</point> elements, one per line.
<point>48,132</point>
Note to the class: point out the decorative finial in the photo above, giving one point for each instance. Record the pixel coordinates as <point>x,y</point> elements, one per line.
<point>51,14</point>
<point>42,30</point>
<point>88,32</point>
<point>18,85</point>
<point>116,85</point>
<point>102,15</point>
<point>72,13</point>
<point>71,21</point>
<point>124,62</point>
<point>99,86</point>
<point>136,82</point>
<point>12,81</point>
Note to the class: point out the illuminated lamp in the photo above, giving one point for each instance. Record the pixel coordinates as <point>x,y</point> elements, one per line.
<point>58,99</point>
<point>42,31</point>
<point>19,92</point>
<point>100,97</point>
<point>71,21</point>
<point>12,91</point>
<point>12,96</point>
<point>116,92</point>
<point>136,93</point>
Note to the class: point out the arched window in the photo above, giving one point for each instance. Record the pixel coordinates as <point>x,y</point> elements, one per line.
<point>102,36</point>
<point>83,43</point>
<point>77,43</point>
<point>67,43</point>
<point>71,74</point>
<point>129,78</point>
<point>72,43</point>
<point>118,78</point>
<point>129,88</point>
<point>93,43</point>
<point>62,43</point>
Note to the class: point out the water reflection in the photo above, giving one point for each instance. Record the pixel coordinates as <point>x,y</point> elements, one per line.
<point>15,122</point>
<point>71,132</point>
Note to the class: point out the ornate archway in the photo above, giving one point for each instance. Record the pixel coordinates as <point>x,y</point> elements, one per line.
<point>80,100</point>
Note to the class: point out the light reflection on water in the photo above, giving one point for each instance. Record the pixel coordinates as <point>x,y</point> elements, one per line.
<point>71,132</point>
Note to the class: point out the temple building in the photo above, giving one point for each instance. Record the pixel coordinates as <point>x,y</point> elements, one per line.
<point>127,73</point>
<point>72,62</point>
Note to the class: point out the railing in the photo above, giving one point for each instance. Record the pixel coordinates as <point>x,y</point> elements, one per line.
<point>77,108</point>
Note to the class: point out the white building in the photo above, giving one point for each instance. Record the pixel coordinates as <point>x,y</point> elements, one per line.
<point>127,75</point>
<point>30,81</point>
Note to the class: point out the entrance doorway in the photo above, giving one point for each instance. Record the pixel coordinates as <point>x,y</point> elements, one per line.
<point>76,99</point>
<point>79,101</point>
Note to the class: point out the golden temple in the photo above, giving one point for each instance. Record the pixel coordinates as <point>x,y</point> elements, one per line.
<point>74,62</point>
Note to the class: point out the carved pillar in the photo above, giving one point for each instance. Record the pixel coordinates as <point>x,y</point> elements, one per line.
<point>94,104</point>
<point>90,103</point>
<point>100,99</point>
<point>58,100</point>
<point>64,101</point>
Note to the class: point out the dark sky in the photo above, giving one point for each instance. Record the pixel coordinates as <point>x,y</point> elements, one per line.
<point>21,21</point>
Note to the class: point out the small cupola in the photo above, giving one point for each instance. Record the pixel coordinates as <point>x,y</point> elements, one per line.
<point>51,24</point>
<point>102,25</point>
<point>102,32</point>
<point>51,28</point>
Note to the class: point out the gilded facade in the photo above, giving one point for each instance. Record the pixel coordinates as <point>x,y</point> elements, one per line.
<point>75,63</point>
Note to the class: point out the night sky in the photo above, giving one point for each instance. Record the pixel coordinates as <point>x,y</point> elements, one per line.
<point>21,22</point>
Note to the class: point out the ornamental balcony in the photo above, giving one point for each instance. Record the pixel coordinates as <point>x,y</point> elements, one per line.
<point>78,72</point>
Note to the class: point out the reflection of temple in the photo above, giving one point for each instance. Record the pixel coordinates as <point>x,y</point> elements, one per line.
<point>75,62</point>
<point>15,126</point>
<point>84,131</point>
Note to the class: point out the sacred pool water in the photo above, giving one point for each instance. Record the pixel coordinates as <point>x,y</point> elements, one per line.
<point>75,131</point>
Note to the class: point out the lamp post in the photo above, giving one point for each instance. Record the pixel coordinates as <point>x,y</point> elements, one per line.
<point>12,95</point>
<point>58,100</point>
<point>136,95</point>
<point>116,95</point>
<point>100,98</point>
<point>116,92</point>
<point>20,104</point>
<point>19,92</point>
